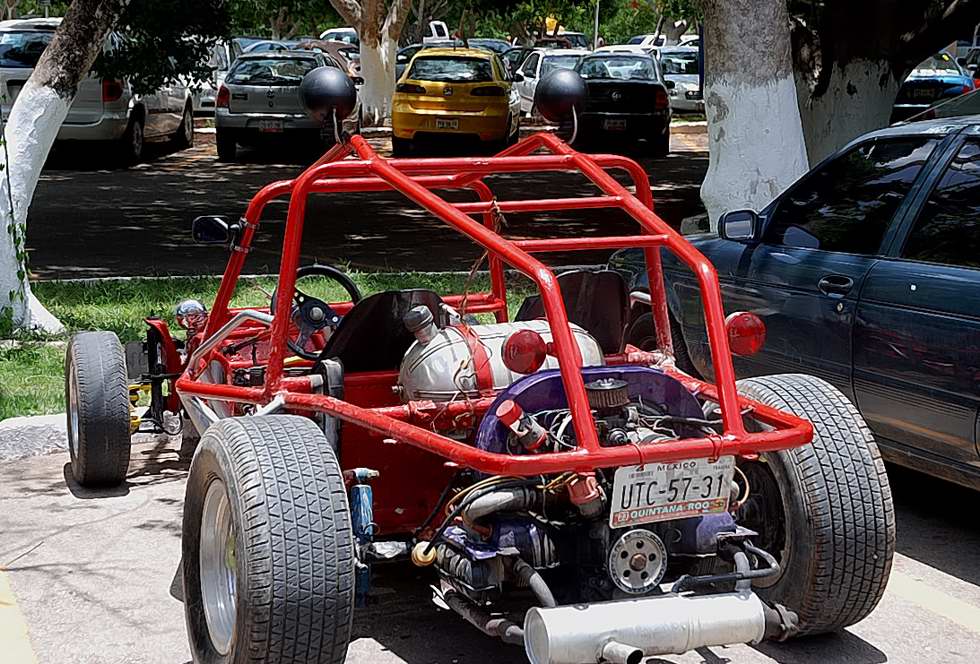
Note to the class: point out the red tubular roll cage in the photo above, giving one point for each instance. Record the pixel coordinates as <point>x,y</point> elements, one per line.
<point>416,179</point>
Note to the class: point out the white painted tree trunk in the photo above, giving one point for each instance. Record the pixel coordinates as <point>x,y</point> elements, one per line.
<point>755,137</point>
<point>858,99</point>
<point>31,129</point>
<point>378,72</point>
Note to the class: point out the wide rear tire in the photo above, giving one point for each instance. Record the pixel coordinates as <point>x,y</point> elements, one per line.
<point>268,555</point>
<point>824,510</point>
<point>97,405</point>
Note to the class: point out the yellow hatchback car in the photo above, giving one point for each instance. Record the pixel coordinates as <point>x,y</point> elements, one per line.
<point>455,93</point>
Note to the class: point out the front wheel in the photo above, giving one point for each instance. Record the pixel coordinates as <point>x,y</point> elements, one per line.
<point>130,146</point>
<point>226,144</point>
<point>184,136</point>
<point>268,555</point>
<point>824,510</point>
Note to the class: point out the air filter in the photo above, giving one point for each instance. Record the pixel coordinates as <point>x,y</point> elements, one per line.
<point>607,394</point>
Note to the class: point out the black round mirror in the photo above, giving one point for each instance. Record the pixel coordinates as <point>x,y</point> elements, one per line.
<point>558,93</point>
<point>327,90</point>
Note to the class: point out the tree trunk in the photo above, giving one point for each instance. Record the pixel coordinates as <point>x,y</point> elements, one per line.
<point>30,132</point>
<point>755,137</point>
<point>378,72</point>
<point>858,98</point>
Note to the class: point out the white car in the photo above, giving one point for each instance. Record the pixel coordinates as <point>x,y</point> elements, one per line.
<point>105,110</point>
<point>631,49</point>
<point>680,65</point>
<point>538,64</point>
<point>346,35</point>
<point>647,41</point>
<point>693,41</point>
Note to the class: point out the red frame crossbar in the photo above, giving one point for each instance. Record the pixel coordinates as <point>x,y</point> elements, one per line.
<point>355,167</point>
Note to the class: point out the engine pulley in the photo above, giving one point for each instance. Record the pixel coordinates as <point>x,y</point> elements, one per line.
<point>637,561</point>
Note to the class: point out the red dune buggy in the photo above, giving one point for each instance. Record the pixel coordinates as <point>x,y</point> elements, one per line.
<point>569,493</point>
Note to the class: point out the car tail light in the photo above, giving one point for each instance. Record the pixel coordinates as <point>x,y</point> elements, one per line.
<point>410,88</point>
<point>746,333</point>
<point>223,98</point>
<point>967,88</point>
<point>661,100</point>
<point>489,91</point>
<point>524,352</point>
<point>112,90</point>
<point>976,83</point>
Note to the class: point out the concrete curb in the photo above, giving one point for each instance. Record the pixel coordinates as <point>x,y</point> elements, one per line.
<point>22,437</point>
<point>689,128</point>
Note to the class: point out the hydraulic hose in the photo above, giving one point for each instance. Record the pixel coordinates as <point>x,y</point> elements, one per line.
<point>528,577</point>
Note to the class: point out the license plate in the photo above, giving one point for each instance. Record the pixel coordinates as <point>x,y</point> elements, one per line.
<point>452,123</point>
<point>614,125</point>
<point>664,491</point>
<point>923,93</point>
<point>270,125</point>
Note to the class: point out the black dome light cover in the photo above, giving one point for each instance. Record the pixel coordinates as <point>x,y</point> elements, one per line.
<point>326,90</point>
<point>558,93</point>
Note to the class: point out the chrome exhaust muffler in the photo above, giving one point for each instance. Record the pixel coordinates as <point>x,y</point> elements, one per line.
<point>626,631</point>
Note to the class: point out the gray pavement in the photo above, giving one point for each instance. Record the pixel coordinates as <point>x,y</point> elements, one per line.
<point>90,574</point>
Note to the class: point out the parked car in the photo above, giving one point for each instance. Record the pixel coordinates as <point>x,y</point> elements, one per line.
<point>866,273</point>
<point>266,46</point>
<point>538,64</point>
<point>647,41</point>
<point>104,110</point>
<point>347,35</point>
<point>259,101</point>
<point>691,41</point>
<point>627,101</point>
<point>679,65</point>
<point>514,57</point>
<point>498,46</point>
<point>967,104</point>
<point>454,92</point>
<point>576,39</point>
<point>937,78</point>
<point>406,53</point>
<point>204,93</point>
<point>631,49</point>
<point>971,63</point>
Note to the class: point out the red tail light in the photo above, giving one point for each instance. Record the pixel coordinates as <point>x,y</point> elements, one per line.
<point>746,333</point>
<point>410,88</point>
<point>967,88</point>
<point>524,352</point>
<point>661,101</point>
<point>112,90</point>
<point>976,83</point>
<point>223,98</point>
<point>488,91</point>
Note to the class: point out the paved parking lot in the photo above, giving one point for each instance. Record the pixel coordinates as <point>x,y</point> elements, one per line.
<point>90,574</point>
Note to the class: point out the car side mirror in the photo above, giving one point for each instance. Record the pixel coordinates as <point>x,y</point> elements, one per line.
<point>518,76</point>
<point>358,80</point>
<point>739,225</point>
<point>669,85</point>
<point>211,229</point>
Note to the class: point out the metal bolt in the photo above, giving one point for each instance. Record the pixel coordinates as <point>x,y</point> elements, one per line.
<point>638,562</point>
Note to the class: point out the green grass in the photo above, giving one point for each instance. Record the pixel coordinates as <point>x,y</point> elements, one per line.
<point>31,381</point>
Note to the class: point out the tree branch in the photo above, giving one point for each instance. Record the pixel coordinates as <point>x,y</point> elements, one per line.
<point>350,11</point>
<point>936,28</point>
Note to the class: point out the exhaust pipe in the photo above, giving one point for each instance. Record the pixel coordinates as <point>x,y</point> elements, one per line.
<point>626,631</point>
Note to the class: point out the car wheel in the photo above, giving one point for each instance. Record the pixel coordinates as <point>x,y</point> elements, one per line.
<point>226,144</point>
<point>659,145</point>
<point>268,553</point>
<point>97,405</point>
<point>132,143</point>
<point>184,137</point>
<point>400,147</point>
<point>824,510</point>
<point>642,333</point>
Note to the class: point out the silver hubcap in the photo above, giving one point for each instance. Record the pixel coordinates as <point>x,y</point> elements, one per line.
<point>218,566</point>
<point>137,139</point>
<point>73,410</point>
<point>188,126</point>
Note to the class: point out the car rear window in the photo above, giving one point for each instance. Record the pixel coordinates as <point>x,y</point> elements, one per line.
<point>679,63</point>
<point>23,48</point>
<point>270,71</point>
<point>618,67</point>
<point>553,62</point>
<point>451,69</point>
<point>940,63</point>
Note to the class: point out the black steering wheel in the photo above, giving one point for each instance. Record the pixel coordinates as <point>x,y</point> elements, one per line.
<point>311,314</point>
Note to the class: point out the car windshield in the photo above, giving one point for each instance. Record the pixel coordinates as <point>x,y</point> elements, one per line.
<point>679,63</point>
<point>576,40</point>
<point>618,67</point>
<point>270,71</point>
<point>637,39</point>
<point>451,69</point>
<point>23,48</point>
<point>553,62</point>
<point>937,63</point>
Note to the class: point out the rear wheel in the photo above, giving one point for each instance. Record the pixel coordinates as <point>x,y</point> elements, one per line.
<point>659,144</point>
<point>97,400</point>
<point>824,510</point>
<point>642,333</point>
<point>226,145</point>
<point>131,145</point>
<point>268,557</point>
<point>400,147</point>
<point>184,136</point>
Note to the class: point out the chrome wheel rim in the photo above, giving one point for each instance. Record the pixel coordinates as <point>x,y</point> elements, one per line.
<point>137,140</point>
<point>218,567</point>
<point>188,126</point>
<point>73,410</point>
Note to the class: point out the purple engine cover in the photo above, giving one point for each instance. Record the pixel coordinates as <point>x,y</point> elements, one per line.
<point>544,391</point>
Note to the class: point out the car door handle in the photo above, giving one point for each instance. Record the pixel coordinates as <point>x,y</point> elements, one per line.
<point>835,284</point>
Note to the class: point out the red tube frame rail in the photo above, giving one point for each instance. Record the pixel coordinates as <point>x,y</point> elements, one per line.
<point>417,179</point>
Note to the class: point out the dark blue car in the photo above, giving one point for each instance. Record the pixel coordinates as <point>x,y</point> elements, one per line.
<point>866,272</point>
<point>935,80</point>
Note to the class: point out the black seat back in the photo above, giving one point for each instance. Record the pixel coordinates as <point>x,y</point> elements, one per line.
<point>372,336</point>
<point>598,302</point>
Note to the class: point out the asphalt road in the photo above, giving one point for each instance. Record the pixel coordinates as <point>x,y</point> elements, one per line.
<point>90,220</point>
<point>90,573</point>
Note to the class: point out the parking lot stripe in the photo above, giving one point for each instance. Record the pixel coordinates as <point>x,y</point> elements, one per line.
<point>909,588</point>
<point>13,629</point>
